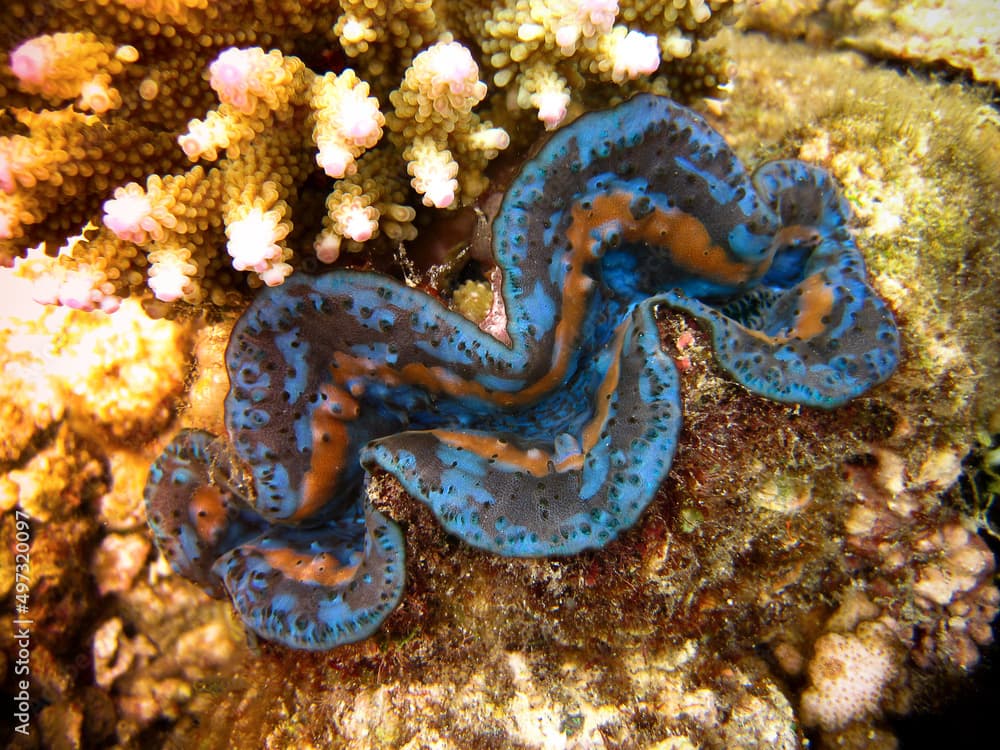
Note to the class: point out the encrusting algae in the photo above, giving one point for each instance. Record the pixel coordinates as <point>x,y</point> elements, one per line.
<point>786,544</point>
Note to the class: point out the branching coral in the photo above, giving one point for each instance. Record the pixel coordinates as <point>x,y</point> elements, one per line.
<point>432,111</point>
<point>545,50</point>
<point>68,65</point>
<point>383,36</point>
<point>108,101</point>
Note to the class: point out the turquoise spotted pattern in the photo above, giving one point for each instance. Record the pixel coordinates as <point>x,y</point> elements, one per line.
<point>551,442</point>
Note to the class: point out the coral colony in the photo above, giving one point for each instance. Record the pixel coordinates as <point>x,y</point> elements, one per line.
<point>547,438</point>
<point>189,192</point>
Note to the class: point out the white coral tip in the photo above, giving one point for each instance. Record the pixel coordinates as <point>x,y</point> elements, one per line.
<point>124,215</point>
<point>354,31</point>
<point>335,160</point>
<point>490,139</point>
<point>168,283</point>
<point>327,247</point>
<point>359,227</point>
<point>677,46</point>
<point>253,241</point>
<point>552,106</point>
<point>275,274</point>
<point>96,96</point>
<point>636,54</point>
<point>530,32</point>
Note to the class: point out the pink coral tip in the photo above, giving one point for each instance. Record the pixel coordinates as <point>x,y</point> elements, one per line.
<point>552,107</point>
<point>440,194</point>
<point>168,284</point>
<point>77,291</point>
<point>275,274</point>
<point>454,66</point>
<point>230,76</point>
<point>327,247</point>
<point>124,215</point>
<point>31,62</point>
<point>636,54</point>
<point>335,160</point>
<point>600,14</point>
<point>359,227</point>
<point>197,142</point>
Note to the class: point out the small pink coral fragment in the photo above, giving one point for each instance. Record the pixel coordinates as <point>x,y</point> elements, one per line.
<point>327,247</point>
<point>495,322</point>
